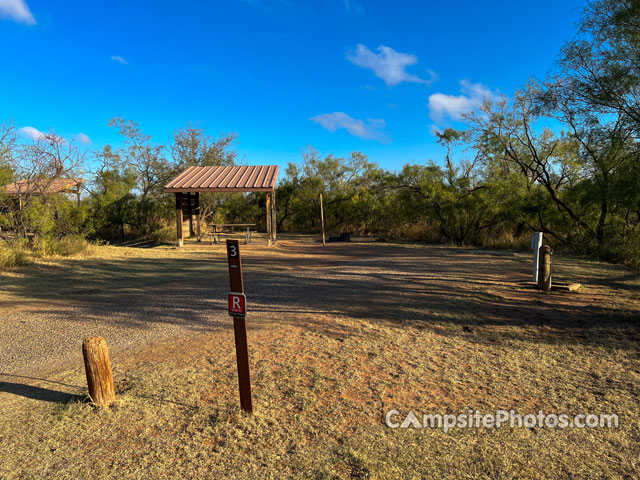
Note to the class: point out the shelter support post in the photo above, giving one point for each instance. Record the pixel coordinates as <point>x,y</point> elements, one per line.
<point>198,230</point>
<point>273,217</point>
<point>190,200</point>
<point>268,208</point>
<point>179,218</point>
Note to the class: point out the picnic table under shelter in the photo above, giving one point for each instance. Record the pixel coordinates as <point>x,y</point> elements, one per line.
<point>222,179</point>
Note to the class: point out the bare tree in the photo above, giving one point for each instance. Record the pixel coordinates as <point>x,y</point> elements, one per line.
<point>8,141</point>
<point>42,167</point>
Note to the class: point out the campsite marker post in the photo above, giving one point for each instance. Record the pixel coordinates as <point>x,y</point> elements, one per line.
<point>536,243</point>
<point>238,310</point>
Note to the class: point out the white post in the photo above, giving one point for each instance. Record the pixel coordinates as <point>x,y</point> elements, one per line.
<point>536,243</point>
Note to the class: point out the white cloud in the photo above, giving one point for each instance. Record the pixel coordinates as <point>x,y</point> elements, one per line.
<point>118,58</point>
<point>16,10</point>
<point>34,134</point>
<point>369,130</point>
<point>31,132</point>
<point>388,64</point>
<point>442,106</point>
<point>83,138</point>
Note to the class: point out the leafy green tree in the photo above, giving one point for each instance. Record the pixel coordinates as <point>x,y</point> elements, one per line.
<point>284,195</point>
<point>505,137</point>
<point>347,186</point>
<point>193,147</point>
<point>595,93</point>
<point>153,170</point>
<point>114,203</point>
<point>453,200</point>
<point>599,70</point>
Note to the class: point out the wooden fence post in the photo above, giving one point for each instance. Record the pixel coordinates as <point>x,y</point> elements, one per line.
<point>322,221</point>
<point>544,269</point>
<point>97,366</point>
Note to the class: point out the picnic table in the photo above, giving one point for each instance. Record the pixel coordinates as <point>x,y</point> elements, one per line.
<point>219,229</point>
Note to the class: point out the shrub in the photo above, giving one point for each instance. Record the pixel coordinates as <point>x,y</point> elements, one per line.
<point>44,246</point>
<point>71,245</point>
<point>13,256</point>
<point>164,234</point>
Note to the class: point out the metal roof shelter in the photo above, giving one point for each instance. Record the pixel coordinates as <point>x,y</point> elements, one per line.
<point>39,187</point>
<point>225,179</point>
<point>188,185</point>
<point>44,186</point>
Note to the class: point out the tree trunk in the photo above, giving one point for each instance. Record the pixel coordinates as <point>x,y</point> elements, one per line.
<point>601,222</point>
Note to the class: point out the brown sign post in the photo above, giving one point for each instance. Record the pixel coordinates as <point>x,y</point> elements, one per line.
<point>238,310</point>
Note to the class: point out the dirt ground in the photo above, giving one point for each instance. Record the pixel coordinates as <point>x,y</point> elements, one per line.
<point>135,296</point>
<point>377,325</point>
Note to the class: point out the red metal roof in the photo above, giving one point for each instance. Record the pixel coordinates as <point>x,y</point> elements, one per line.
<point>44,185</point>
<point>260,178</point>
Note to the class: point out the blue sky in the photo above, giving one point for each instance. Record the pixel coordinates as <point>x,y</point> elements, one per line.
<point>339,75</point>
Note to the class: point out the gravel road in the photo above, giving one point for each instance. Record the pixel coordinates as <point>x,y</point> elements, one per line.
<point>136,299</point>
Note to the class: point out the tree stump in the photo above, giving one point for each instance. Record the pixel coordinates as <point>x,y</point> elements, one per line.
<point>97,366</point>
<point>544,268</point>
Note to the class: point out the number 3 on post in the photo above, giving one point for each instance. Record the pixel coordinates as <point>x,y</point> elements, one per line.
<point>235,266</point>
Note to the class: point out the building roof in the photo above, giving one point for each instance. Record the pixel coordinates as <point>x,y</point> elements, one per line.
<point>42,186</point>
<point>259,178</point>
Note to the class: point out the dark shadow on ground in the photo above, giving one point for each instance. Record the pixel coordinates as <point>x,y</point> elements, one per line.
<point>428,287</point>
<point>39,393</point>
<point>142,244</point>
<point>11,375</point>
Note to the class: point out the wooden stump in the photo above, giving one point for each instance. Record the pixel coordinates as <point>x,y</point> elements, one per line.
<point>97,366</point>
<point>544,268</point>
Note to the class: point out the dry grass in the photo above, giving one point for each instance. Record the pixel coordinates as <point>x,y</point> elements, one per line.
<point>20,252</point>
<point>341,336</point>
